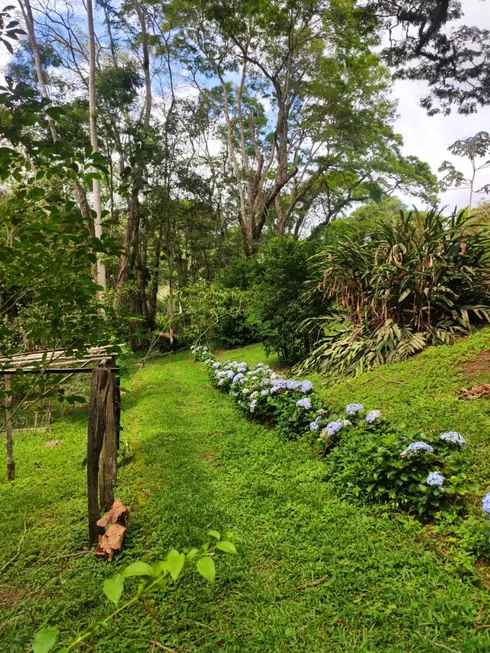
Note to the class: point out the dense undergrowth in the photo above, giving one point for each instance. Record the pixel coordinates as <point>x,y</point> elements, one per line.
<point>313,573</point>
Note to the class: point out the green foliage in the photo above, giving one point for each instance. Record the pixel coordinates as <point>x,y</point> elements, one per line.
<point>421,280</point>
<point>217,314</point>
<point>361,223</point>
<point>153,578</point>
<point>279,301</point>
<point>369,464</point>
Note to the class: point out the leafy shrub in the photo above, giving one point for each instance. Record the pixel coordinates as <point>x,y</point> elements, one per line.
<point>279,301</point>
<point>367,458</point>
<point>218,314</point>
<point>379,462</point>
<point>416,282</point>
<point>264,395</point>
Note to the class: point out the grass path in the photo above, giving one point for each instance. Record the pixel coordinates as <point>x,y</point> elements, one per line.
<point>314,574</point>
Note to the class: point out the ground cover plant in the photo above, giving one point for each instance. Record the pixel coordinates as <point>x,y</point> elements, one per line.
<point>312,572</point>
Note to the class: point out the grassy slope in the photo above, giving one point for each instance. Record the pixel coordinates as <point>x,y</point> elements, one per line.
<point>199,464</point>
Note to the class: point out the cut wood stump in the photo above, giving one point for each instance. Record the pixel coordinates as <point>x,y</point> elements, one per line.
<point>115,523</point>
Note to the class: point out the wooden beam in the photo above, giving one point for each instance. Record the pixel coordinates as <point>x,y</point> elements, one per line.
<point>108,456</point>
<point>9,431</point>
<point>97,418</point>
<point>54,370</point>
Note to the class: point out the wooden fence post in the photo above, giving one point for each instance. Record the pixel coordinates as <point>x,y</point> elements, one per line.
<point>97,418</point>
<point>108,456</point>
<point>9,431</point>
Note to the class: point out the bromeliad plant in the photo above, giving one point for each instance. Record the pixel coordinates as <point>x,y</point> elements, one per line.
<point>417,282</point>
<point>151,579</point>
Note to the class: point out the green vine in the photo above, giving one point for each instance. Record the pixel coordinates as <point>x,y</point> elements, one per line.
<point>153,577</point>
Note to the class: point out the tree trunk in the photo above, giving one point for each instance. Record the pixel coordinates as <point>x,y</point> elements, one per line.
<point>101,272</point>
<point>80,194</point>
<point>154,283</point>
<point>171,307</point>
<point>142,268</point>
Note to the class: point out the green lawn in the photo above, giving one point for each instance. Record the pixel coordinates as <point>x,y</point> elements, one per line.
<point>200,464</point>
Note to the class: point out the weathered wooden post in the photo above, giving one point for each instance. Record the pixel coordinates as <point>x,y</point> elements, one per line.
<point>97,419</point>
<point>9,431</point>
<point>108,456</point>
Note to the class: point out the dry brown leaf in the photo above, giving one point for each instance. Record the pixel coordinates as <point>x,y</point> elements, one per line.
<point>52,443</point>
<point>476,392</point>
<point>117,520</point>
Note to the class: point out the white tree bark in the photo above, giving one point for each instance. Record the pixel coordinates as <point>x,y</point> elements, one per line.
<point>101,272</point>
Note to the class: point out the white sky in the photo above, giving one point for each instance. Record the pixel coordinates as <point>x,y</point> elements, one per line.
<point>429,137</point>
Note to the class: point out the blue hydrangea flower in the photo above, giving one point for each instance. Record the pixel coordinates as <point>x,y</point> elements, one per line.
<point>221,381</point>
<point>208,361</point>
<point>217,365</point>
<point>293,385</point>
<point>353,409</point>
<point>372,416</point>
<point>306,387</point>
<point>304,403</point>
<point>264,393</point>
<point>413,447</point>
<point>435,479</point>
<point>314,426</point>
<point>333,427</point>
<point>454,437</point>
<point>486,504</point>
<point>279,384</point>
<point>252,405</point>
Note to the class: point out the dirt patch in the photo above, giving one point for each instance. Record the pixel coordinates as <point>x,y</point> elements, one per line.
<point>478,368</point>
<point>211,457</point>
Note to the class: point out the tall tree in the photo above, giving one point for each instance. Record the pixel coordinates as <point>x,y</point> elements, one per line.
<point>101,272</point>
<point>298,85</point>
<point>473,148</point>
<point>425,44</point>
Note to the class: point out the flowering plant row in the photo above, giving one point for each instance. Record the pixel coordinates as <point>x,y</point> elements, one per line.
<point>367,457</point>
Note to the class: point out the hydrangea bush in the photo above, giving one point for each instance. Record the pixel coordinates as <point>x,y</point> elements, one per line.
<point>367,458</point>
<point>201,353</point>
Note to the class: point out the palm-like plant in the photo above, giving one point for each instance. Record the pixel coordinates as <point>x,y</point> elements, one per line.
<point>418,281</point>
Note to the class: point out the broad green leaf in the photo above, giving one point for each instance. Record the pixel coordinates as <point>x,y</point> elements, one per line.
<point>175,562</point>
<point>159,568</point>
<point>227,547</point>
<point>113,588</point>
<point>192,554</point>
<point>214,534</point>
<point>205,566</point>
<point>138,569</point>
<point>45,640</point>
